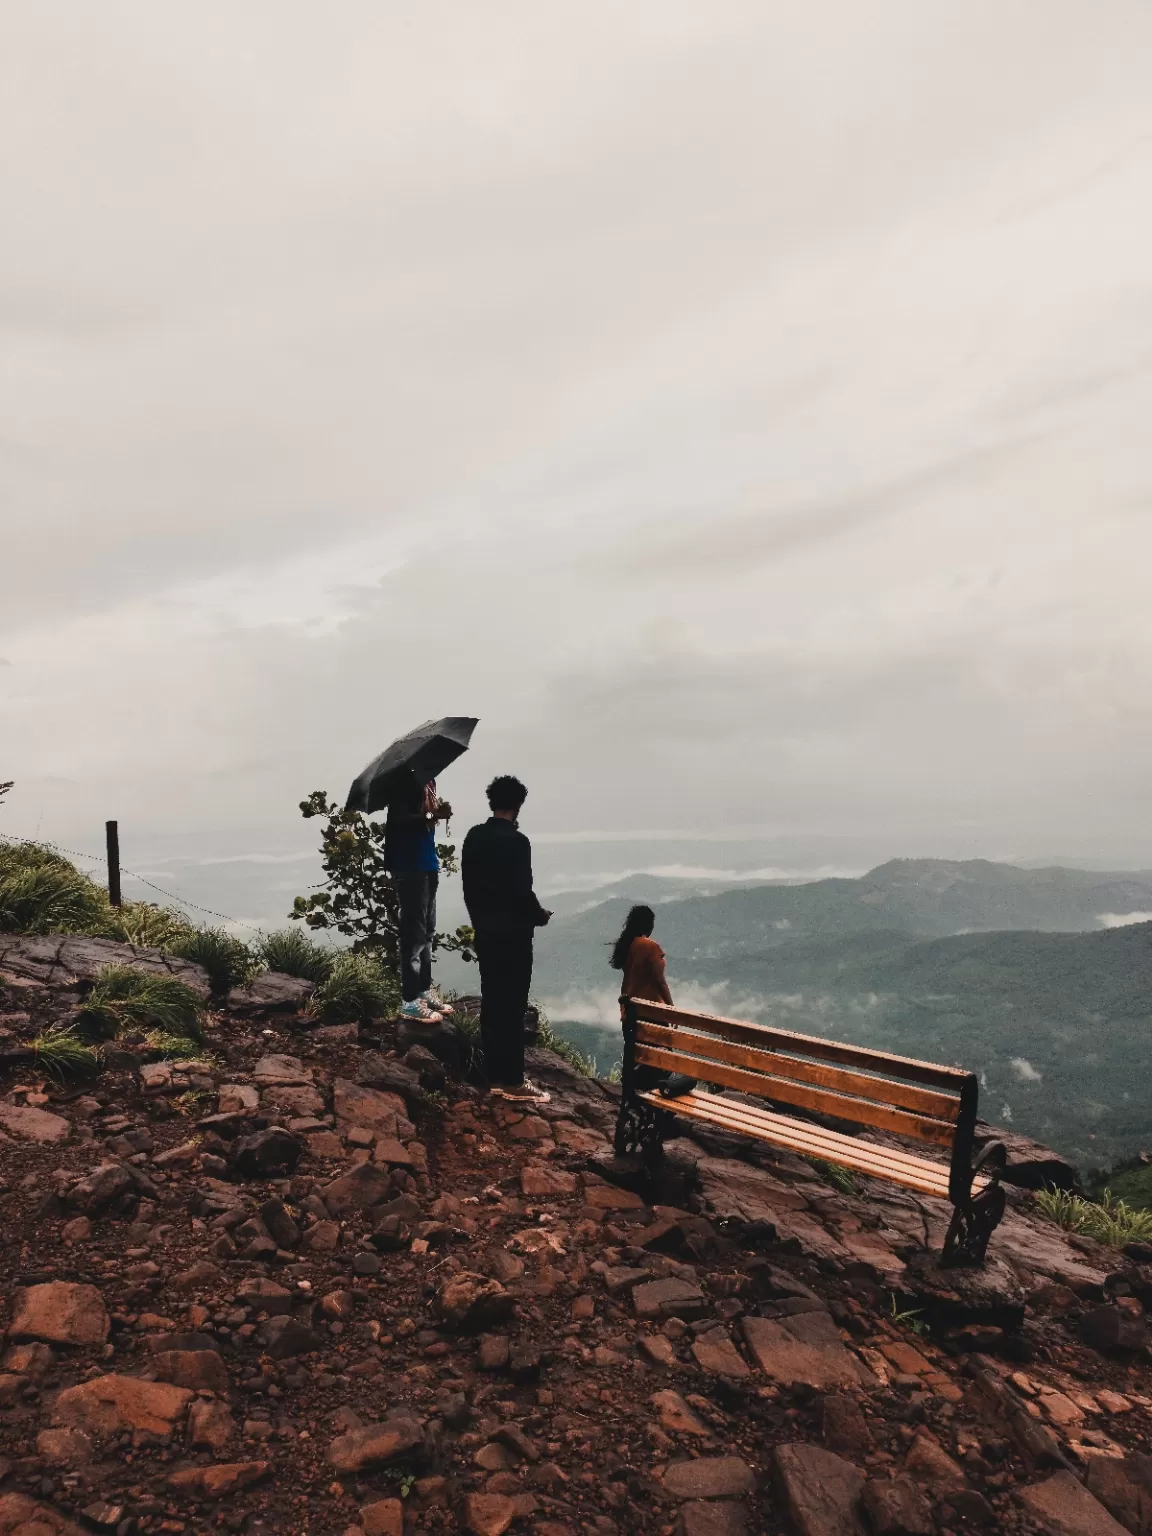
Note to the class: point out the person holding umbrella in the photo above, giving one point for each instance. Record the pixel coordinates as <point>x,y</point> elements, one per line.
<point>403,779</point>
<point>410,856</point>
<point>496,868</point>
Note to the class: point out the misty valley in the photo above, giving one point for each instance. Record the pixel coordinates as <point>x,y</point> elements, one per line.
<point>1038,980</point>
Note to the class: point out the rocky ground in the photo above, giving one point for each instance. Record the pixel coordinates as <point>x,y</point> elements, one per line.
<point>313,1283</point>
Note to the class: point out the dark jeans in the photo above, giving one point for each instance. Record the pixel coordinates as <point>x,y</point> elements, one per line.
<point>505,979</point>
<point>416,893</point>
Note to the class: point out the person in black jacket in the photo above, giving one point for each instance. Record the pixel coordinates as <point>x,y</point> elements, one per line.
<point>496,869</point>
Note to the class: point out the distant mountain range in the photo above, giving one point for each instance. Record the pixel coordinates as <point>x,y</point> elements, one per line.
<point>1041,980</point>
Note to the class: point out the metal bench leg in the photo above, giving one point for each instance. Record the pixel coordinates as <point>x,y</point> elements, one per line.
<point>971,1227</point>
<point>976,1218</point>
<point>640,1128</point>
<point>640,1131</point>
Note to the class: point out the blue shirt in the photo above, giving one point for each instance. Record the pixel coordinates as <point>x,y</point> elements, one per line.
<point>411,849</point>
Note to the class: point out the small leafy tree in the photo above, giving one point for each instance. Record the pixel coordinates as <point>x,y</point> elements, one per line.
<point>358,898</point>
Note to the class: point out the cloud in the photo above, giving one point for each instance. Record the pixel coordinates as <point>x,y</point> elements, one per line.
<point>1024,1070</point>
<point>730,486</point>
<point>1123,919</point>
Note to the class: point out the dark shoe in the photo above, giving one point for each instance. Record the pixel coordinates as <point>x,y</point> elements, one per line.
<point>675,1085</point>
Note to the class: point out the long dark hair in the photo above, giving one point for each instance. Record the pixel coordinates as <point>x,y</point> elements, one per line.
<point>638,924</point>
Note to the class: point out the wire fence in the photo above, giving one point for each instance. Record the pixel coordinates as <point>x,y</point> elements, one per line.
<point>98,865</point>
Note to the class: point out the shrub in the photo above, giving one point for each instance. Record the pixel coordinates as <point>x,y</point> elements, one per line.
<point>40,892</point>
<point>358,987</point>
<point>357,898</point>
<point>1108,1220</point>
<point>227,960</point>
<point>126,998</point>
<point>294,953</point>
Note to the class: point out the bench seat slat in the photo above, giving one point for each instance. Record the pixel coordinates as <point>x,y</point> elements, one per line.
<point>814,1140</point>
<point>784,1090</point>
<point>925,1101</point>
<point>951,1079</point>
<point>920,1175</point>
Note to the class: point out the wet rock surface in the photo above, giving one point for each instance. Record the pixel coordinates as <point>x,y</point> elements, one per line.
<point>313,1283</point>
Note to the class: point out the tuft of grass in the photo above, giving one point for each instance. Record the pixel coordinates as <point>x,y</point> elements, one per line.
<point>357,988</point>
<point>840,1178</point>
<point>1108,1219</point>
<point>148,926</point>
<point>228,961</point>
<point>40,892</point>
<point>126,998</point>
<point>294,953</point>
<point>910,1319</point>
<point>172,1047</point>
<point>62,1054</point>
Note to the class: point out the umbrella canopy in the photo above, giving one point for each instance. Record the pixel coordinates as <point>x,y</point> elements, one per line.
<point>426,751</point>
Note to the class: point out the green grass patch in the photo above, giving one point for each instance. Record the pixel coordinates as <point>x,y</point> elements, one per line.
<point>357,988</point>
<point>147,926</point>
<point>228,961</point>
<point>126,999</point>
<point>294,954</point>
<point>62,1054</point>
<point>40,892</point>
<point>1109,1220</point>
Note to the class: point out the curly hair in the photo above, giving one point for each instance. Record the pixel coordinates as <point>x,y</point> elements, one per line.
<point>506,793</point>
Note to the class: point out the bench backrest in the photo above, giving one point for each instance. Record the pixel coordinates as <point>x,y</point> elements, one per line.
<point>911,1098</point>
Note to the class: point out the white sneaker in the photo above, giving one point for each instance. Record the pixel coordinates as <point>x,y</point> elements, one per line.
<point>436,1002</point>
<point>526,1093</point>
<point>419,1012</point>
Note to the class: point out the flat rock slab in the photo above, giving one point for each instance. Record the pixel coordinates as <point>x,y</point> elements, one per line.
<point>805,1349</point>
<point>607,1197</point>
<point>1064,1507</point>
<point>675,1415</point>
<point>723,1518</point>
<point>716,1354</point>
<point>62,961</point>
<point>356,1105</point>
<point>238,1099</point>
<point>281,1072</point>
<point>822,1492</point>
<point>741,1192</point>
<point>542,1181</point>
<point>31,1124</point>
<point>374,1445</point>
<point>60,1312</point>
<point>292,1101</point>
<point>221,1480</point>
<point>108,1404</point>
<point>1043,1250</point>
<point>710,1477</point>
<point>1124,1486</point>
<point>669,1298</point>
<point>21,1516</point>
<point>273,990</point>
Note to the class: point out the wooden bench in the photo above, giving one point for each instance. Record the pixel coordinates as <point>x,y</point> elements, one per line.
<point>916,1100</point>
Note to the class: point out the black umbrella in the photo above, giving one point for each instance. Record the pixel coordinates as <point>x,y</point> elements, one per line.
<point>426,751</point>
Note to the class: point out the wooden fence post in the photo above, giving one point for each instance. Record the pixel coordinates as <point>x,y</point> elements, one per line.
<point>112,828</point>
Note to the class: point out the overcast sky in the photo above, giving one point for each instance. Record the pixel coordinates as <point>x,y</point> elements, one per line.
<point>743,407</point>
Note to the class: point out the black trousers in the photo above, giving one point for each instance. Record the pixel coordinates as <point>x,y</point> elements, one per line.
<point>505,981</point>
<point>416,893</point>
